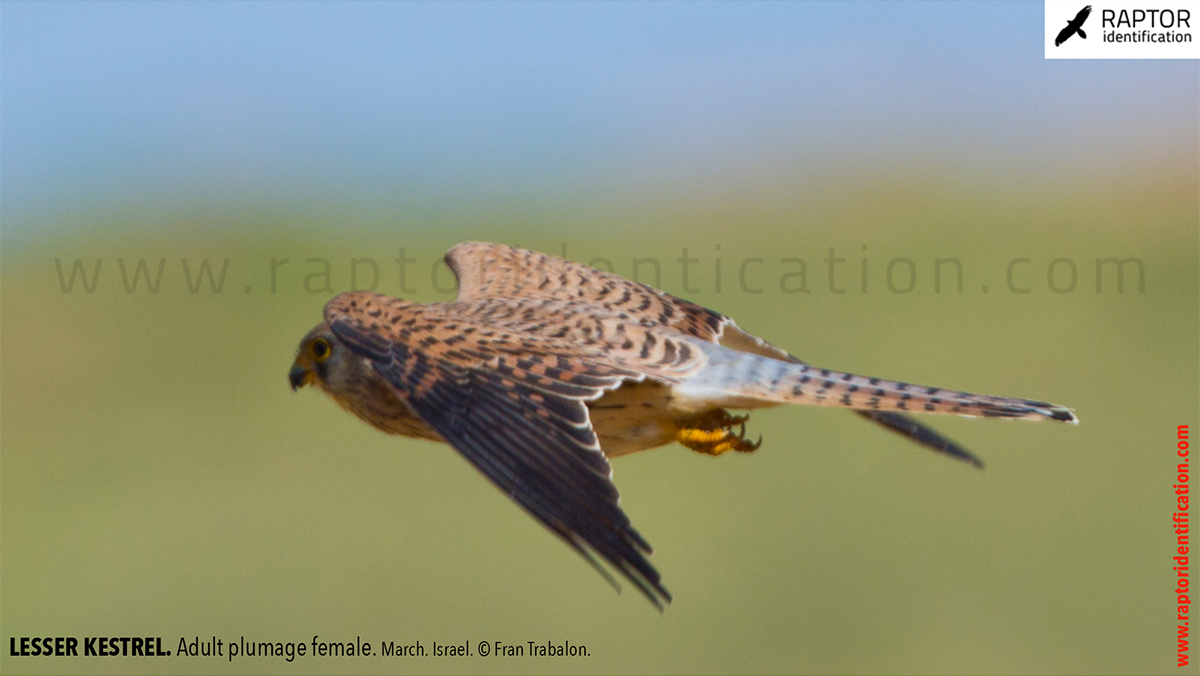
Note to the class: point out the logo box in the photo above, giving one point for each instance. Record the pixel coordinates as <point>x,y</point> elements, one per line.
<point>1146,29</point>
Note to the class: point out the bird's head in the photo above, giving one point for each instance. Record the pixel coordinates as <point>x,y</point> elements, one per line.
<point>324,361</point>
<point>312,359</point>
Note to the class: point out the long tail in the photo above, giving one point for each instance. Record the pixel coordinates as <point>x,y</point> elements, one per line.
<point>743,380</point>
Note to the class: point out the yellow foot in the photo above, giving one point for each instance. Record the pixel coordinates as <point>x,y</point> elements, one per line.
<point>711,433</point>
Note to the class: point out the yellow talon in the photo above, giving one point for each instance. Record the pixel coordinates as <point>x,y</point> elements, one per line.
<point>692,438</point>
<point>711,433</point>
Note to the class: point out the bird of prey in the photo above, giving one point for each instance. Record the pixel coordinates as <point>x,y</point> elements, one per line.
<point>542,369</point>
<point>1074,26</point>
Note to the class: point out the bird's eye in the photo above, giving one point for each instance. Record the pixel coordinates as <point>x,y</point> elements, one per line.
<point>320,349</point>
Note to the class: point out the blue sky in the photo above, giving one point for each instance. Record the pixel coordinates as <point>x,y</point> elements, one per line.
<point>112,101</point>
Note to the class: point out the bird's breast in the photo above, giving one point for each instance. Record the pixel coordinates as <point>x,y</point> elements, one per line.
<point>632,418</point>
<point>374,402</point>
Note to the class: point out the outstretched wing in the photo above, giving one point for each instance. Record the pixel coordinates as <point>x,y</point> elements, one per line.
<point>921,434</point>
<point>496,271</point>
<point>522,421</point>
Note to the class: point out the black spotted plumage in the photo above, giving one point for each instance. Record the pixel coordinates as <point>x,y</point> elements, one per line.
<point>541,369</point>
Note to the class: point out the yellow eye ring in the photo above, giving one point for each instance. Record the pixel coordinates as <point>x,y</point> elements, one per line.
<point>320,349</point>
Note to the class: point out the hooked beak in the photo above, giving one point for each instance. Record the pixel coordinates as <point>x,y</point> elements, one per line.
<point>299,376</point>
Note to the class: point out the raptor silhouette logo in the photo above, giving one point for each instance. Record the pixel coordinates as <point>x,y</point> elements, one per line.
<point>1074,26</point>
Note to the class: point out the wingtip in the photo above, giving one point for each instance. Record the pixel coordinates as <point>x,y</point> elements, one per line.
<point>650,587</point>
<point>959,453</point>
<point>659,598</point>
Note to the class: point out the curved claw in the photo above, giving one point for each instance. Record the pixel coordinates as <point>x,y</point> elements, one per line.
<point>744,446</point>
<point>712,434</point>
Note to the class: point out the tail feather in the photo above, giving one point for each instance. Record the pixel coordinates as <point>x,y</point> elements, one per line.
<point>750,381</point>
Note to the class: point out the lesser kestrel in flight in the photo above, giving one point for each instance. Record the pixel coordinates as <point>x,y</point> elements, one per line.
<point>542,369</point>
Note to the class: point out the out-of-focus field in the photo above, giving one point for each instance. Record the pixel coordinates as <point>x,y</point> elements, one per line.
<point>159,478</point>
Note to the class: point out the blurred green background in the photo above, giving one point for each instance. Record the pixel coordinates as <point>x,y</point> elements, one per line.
<point>159,478</point>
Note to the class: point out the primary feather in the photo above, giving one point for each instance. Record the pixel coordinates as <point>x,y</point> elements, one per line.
<point>541,369</point>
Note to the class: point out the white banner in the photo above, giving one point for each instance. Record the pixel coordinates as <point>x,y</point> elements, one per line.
<point>1133,29</point>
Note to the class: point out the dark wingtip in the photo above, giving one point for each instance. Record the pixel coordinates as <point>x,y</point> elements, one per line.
<point>979,464</point>
<point>661,598</point>
<point>959,453</point>
<point>649,585</point>
<point>925,436</point>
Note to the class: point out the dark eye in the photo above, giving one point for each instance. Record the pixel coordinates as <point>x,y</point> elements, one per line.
<point>320,349</point>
